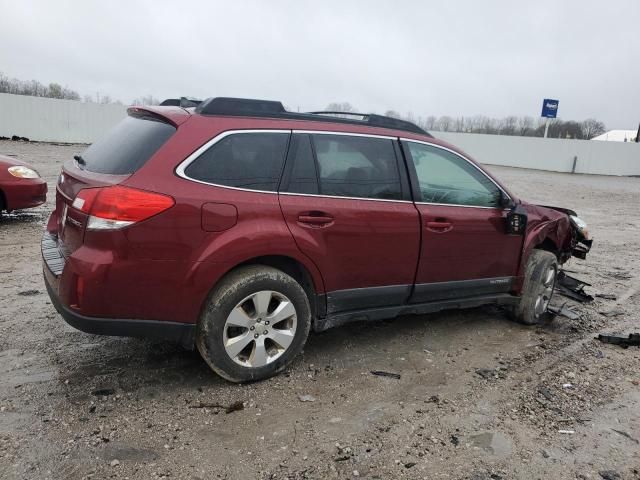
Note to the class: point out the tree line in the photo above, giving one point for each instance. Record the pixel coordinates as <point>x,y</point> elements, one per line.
<point>525,126</point>
<point>34,88</point>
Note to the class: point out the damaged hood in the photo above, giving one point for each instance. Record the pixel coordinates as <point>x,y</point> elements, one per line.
<point>554,224</point>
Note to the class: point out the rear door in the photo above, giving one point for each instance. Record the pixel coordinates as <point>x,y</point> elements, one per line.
<point>346,201</point>
<point>466,250</point>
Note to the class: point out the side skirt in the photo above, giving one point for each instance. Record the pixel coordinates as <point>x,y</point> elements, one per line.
<point>334,320</point>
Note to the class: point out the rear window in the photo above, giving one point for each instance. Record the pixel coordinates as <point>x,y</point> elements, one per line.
<point>127,147</point>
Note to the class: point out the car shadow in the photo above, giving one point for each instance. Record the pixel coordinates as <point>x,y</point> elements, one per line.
<point>155,368</point>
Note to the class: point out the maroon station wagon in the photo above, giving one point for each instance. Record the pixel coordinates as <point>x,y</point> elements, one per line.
<point>237,227</point>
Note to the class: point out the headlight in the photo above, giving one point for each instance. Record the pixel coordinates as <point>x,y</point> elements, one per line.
<point>581,225</point>
<point>23,172</point>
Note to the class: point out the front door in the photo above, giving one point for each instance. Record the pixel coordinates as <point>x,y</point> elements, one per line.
<point>466,251</point>
<point>349,210</point>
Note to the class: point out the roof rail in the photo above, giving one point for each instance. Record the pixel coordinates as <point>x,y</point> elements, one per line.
<point>184,102</point>
<point>380,121</point>
<point>273,109</point>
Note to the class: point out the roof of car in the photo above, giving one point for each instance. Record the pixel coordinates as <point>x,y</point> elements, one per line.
<point>251,108</point>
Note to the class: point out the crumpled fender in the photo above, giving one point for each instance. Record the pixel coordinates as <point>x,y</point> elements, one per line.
<point>544,223</point>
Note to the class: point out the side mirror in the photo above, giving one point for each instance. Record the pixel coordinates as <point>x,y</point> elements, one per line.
<point>505,201</point>
<point>517,220</point>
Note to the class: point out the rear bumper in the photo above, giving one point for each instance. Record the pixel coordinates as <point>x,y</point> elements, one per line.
<point>182,333</point>
<point>25,193</point>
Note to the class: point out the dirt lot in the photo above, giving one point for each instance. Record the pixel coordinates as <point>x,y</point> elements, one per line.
<point>74,405</point>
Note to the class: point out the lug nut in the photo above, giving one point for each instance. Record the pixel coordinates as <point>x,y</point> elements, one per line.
<point>265,332</point>
<point>266,322</point>
<point>252,328</point>
<point>256,335</point>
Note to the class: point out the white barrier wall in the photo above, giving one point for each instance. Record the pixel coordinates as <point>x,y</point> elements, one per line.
<point>52,120</point>
<point>601,158</point>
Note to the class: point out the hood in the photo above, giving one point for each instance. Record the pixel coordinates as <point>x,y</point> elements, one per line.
<point>7,162</point>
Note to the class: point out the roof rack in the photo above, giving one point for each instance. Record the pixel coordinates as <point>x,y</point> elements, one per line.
<point>184,102</point>
<point>273,109</point>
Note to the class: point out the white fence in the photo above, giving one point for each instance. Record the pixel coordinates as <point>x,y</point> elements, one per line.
<point>51,120</point>
<point>601,158</point>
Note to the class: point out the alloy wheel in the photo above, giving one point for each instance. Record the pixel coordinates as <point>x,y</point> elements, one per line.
<point>260,329</point>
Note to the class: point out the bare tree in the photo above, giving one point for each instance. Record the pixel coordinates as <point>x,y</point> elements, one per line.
<point>430,123</point>
<point>340,107</point>
<point>592,128</point>
<point>444,123</point>
<point>459,124</point>
<point>147,100</point>
<point>525,125</point>
<point>508,125</point>
<point>392,114</point>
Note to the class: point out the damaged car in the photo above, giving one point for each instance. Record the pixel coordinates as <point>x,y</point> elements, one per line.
<point>237,227</point>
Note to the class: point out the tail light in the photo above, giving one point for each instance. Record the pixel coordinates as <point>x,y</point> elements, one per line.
<point>117,207</point>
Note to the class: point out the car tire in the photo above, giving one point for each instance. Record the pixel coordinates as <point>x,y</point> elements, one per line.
<point>539,284</point>
<point>256,321</point>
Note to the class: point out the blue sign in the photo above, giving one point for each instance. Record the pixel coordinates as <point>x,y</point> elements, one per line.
<point>549,108</point>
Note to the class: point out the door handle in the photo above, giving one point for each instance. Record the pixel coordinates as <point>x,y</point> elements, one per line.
<point>314,219</point>
<point>439,227</point>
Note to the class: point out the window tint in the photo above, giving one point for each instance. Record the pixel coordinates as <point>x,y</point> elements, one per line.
<point>127,147</point>
<point>362,167</point>
<point>303,178</point>
<point>244,160</point>
<point>447,178</point>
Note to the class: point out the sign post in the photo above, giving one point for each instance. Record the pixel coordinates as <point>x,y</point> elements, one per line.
<point>549,110</point>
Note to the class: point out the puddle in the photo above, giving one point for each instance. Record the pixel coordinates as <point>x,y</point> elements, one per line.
<point>494,443</point>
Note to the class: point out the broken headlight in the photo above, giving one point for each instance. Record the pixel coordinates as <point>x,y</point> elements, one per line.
<point>581,226</point>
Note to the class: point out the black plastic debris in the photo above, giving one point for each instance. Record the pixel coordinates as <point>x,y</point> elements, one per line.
<point>633,340</point>
<point>572,288</point>
<point>564,311</point>
<point>381,373</point>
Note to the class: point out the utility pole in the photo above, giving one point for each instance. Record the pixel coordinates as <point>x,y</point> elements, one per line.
<point>638,134</point>
<point>546,127</point>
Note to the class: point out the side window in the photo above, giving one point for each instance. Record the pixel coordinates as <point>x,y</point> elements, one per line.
<point>245,160</point>
<point>303,177</point>
<point>362,167</point>
<point>447,178</point>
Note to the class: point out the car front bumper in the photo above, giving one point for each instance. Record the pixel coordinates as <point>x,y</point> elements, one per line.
<point>24,193</point>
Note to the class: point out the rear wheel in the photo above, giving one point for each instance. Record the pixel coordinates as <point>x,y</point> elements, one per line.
<point>539,284</point>
<point>255,323</point>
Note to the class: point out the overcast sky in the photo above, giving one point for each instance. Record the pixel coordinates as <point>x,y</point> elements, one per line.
<point>494,58</point>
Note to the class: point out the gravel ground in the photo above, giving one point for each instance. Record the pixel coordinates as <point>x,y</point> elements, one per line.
<point>73,405</point>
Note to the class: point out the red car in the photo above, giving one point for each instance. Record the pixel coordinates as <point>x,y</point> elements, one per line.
<point>20,185</point>
<point>237,227</point>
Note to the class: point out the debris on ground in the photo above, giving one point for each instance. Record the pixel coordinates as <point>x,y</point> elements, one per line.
<point>103,392</point>
<point>546,393</point>
<point>572,288</point>
<point>344,453</point>
<point>233,407</point>
<point>632,340</point>
<point>609,475</point>
<point>381,373</point>
<point>306,398</point>
<point>567,432</point>
<point>28,293</point>
<point>564,311</point>
<point>490,373</point>
<point>625,434</point>
<point>606,296</point>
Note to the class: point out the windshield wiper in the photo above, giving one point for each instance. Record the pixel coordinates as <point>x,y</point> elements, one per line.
<point>81,161</point>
